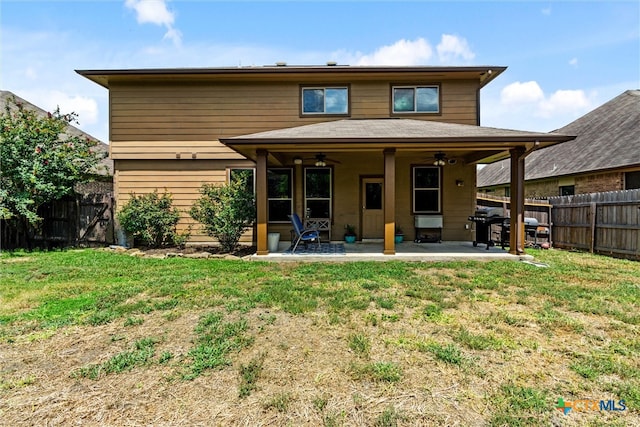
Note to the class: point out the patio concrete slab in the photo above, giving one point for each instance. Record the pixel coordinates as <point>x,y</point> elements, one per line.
<point>405,251</point>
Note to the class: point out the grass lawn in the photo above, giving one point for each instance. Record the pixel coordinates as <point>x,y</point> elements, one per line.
<point>93,337</point>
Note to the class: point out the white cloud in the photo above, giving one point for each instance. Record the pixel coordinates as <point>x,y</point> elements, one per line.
<point>151,12</point>
<point>31,73</point>
<point>453,48</point>
<point>85,107</point>
<point>564,101</point>
<point>402,52</point>
<point>529,95</point>
<point>573,62</point>
<point>525,106</point>
<point>546,11</point>
<point>156,12</point>
<point>174,35</point>
<point>521,93</point>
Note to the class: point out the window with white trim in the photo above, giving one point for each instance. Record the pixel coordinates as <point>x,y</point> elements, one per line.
<point>279,194</point>
<point>317,192</point>
<point>426,189</point>
<point>416,99</point>
<point>325,100</point>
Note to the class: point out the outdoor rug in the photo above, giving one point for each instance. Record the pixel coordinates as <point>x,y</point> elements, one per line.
<point>313,249</point>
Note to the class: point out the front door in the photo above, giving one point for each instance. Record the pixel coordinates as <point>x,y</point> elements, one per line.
<point>372,208</point>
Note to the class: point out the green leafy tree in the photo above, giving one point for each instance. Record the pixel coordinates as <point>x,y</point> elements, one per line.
<point>226,211</point>
<point>40,162</point>
<point>151,220</point>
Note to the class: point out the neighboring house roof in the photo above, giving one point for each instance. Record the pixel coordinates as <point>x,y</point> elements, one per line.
<point>607,138</point>
<point>71,130</point>
<point>406,133</point>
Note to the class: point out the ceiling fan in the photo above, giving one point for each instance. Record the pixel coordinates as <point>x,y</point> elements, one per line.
<point>320,160</point>
<point>440,159</point>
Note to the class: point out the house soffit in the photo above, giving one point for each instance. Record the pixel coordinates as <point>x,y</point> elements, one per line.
<point>301,74</point>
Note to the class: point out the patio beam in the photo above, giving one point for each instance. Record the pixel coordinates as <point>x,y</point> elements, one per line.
<point>516,235</point>
<point>261,202</point>
<point>389,201</point>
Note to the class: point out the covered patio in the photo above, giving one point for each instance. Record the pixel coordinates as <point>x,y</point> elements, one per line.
<point>388,148</point>
<point>405,251</point>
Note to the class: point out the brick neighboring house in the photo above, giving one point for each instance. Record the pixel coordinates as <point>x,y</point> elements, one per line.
<point>605,156</point>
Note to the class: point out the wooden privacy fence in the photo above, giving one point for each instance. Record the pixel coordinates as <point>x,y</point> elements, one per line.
<point>83,219</point>
<point>607,223</point>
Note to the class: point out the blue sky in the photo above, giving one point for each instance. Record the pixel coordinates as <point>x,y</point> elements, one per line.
<point>565,58</point>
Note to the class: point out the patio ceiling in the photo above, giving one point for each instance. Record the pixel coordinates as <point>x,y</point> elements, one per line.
<point>477,144</point>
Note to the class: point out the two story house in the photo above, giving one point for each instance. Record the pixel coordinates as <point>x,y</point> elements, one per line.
<point>374,147</point>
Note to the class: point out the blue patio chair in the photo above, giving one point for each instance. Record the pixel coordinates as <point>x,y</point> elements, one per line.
<point>302,234</point>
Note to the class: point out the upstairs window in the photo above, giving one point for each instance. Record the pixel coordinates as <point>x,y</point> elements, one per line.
<point>325,100</point>
<point>416,99</point>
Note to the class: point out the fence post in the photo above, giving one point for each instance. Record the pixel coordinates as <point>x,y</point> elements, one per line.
<point>593,209</point>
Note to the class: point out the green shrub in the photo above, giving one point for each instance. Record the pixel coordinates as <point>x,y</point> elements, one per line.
<point>225,211</point>
<point>151,220</point>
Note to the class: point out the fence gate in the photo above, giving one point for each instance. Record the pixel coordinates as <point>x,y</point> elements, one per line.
<point>95,219</point>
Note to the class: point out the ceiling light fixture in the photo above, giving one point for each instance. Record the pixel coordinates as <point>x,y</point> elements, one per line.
<point>440,159</point>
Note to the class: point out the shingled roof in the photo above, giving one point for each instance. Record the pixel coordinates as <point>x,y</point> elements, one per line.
<point>5,96</point>
<point>606,138</point>
<point>396,129</point>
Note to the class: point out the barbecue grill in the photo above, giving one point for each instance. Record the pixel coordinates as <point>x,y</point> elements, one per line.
<point>483,225</point>
<point>532,229</point>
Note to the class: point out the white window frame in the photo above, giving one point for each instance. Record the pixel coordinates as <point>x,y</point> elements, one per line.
<point>253,171</point>
<point>269,199</point>
<point>414,188</point>
<point>330,198</point>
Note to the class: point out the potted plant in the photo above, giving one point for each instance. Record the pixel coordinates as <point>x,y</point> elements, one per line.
<point>399,235</point>
<point>350,233</point>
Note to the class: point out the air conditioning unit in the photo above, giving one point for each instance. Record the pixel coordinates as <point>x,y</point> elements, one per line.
<point>428,221</point>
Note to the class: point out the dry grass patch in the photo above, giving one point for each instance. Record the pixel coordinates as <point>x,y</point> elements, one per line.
<point>184,342</point>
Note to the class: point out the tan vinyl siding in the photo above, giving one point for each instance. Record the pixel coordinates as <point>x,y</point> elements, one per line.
<point>165,135</point>
<point>209,150</point>
<point>182,179</point>
<point>458,202</point>
<point>191,117</point>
